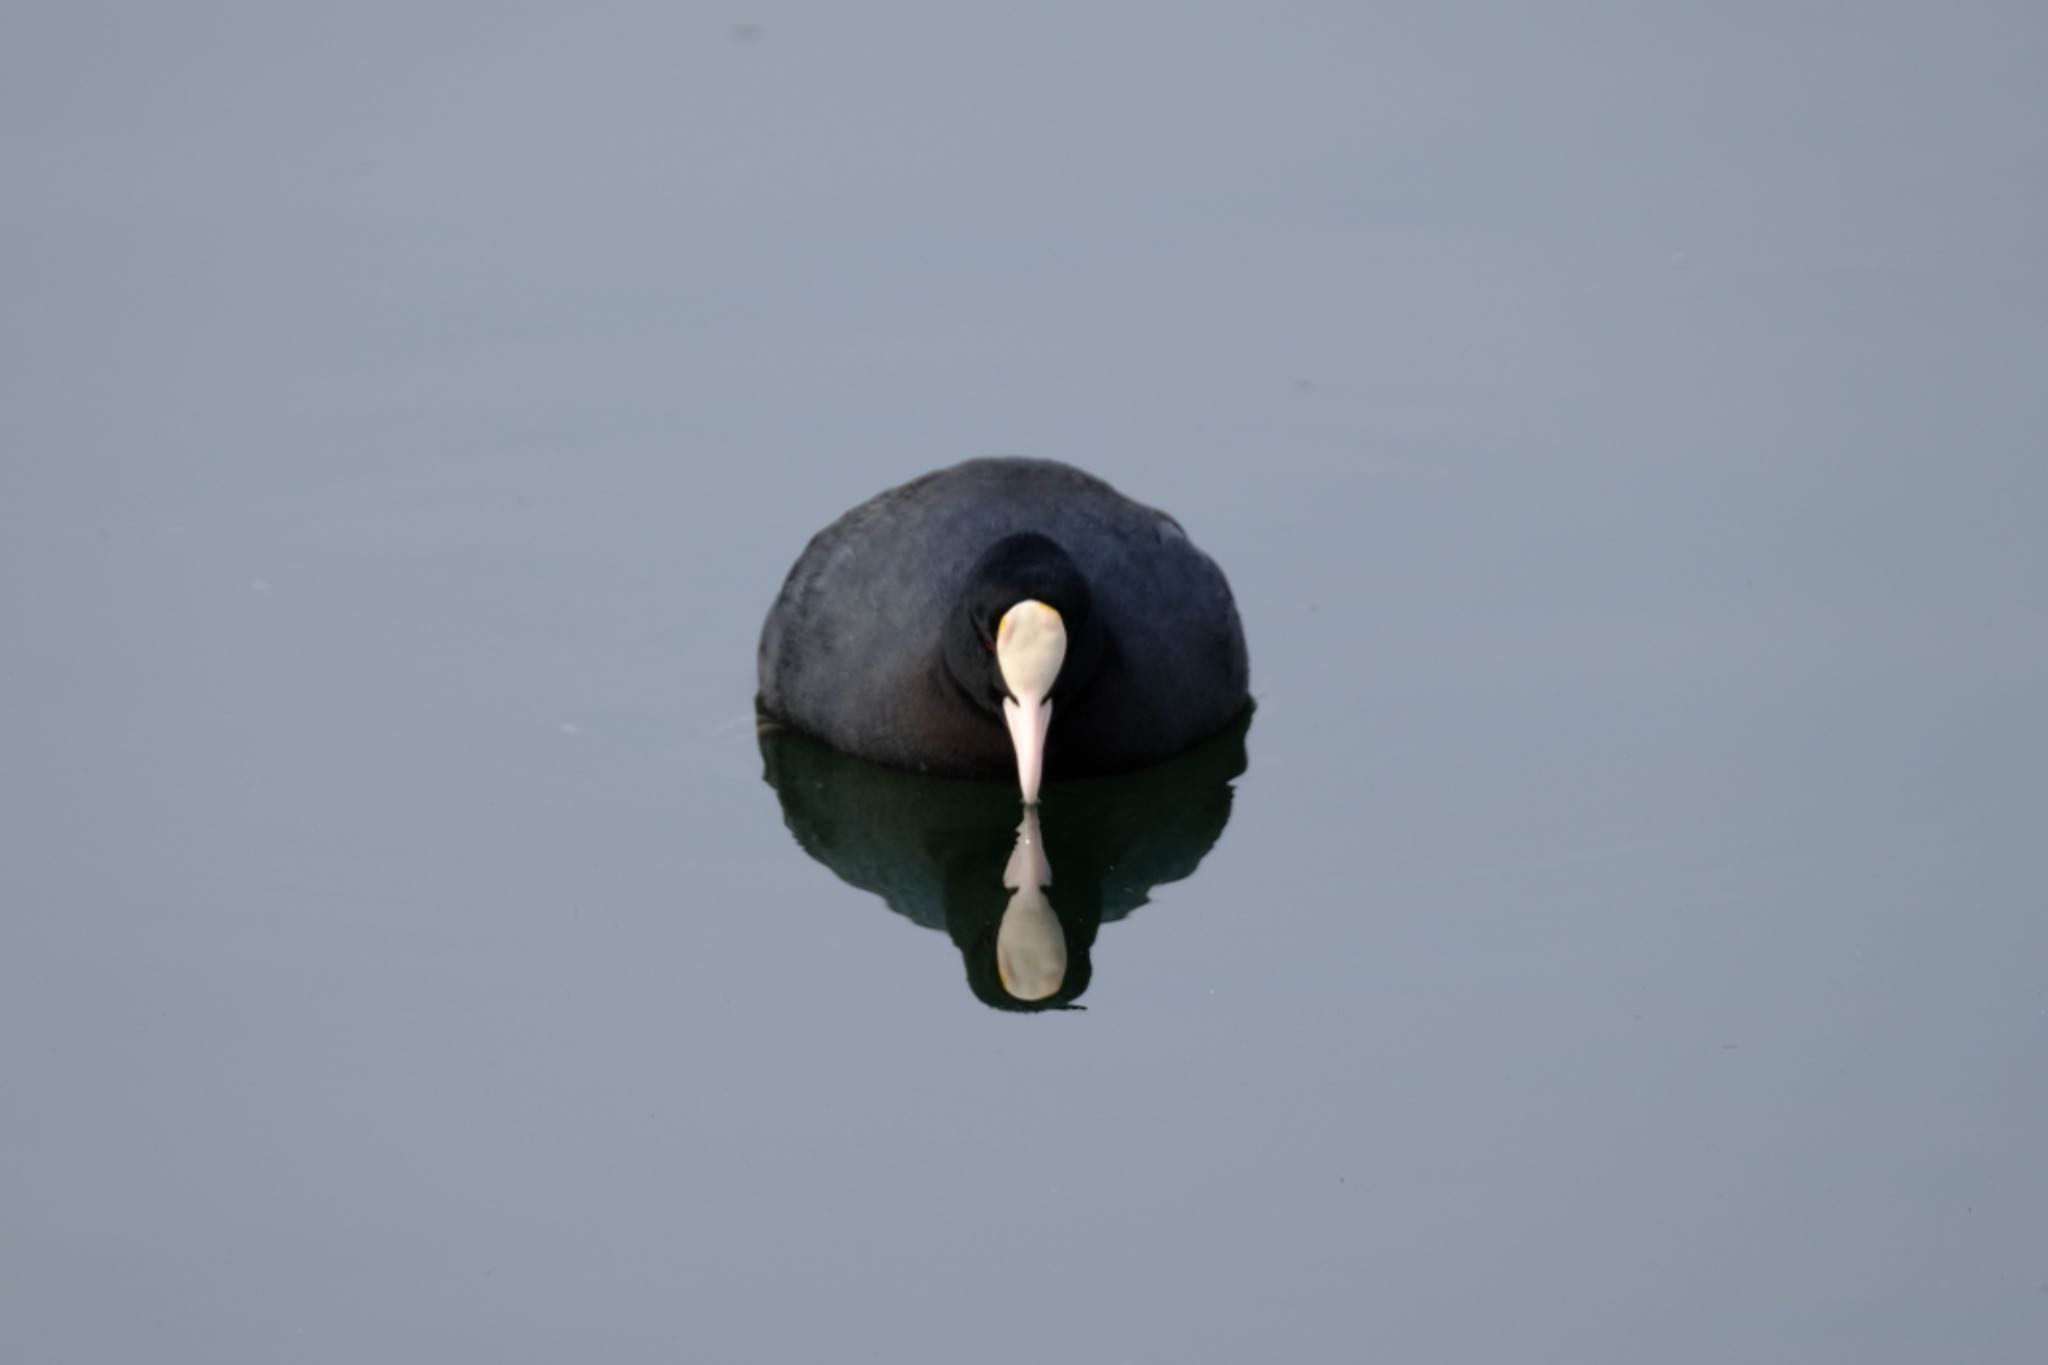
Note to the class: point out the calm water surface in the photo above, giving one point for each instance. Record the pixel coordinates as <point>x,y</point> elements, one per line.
<point>1619,935</point>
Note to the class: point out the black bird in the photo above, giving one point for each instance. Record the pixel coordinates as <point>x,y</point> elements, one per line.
<point>1005,595</point>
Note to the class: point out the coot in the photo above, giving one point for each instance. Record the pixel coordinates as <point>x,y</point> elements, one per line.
<point>1005,615</point>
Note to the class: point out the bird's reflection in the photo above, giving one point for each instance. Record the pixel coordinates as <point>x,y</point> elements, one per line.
<point>1031,947</point>
<point>1022,901</point>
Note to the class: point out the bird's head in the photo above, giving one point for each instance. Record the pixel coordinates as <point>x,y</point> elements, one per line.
<point>1023,639</point>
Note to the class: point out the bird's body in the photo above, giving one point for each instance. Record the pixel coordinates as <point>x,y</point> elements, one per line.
<point>870,646</point>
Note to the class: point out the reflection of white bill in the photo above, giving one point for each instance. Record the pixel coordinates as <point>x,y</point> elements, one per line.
<point>1031,948</point>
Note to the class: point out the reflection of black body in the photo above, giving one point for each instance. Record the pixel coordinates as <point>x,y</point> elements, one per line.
<point>935,849</point>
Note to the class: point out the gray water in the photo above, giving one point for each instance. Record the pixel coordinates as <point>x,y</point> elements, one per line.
<point>1624,433</point>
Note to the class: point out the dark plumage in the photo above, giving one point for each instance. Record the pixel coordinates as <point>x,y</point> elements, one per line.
<point>880,642</point>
